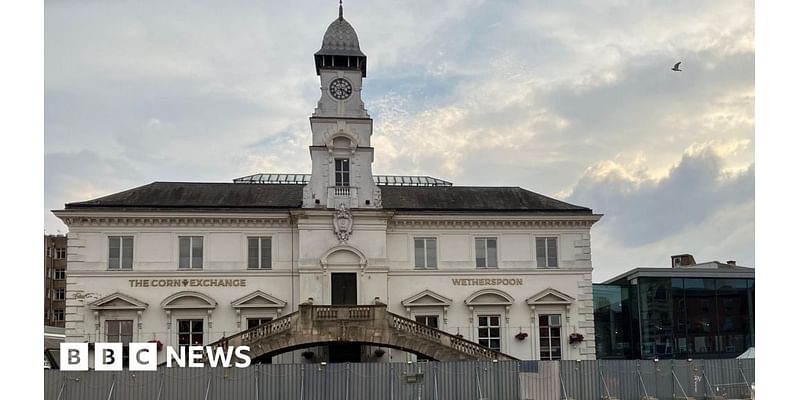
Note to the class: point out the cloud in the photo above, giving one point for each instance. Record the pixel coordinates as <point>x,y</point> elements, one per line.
<point>573,99</point>
<point>696,202</point>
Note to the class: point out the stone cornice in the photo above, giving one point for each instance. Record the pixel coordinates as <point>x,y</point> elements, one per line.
<point>492,222</point>
<point>77,219</point>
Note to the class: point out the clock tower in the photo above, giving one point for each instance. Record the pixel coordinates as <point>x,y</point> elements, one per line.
<point>341,128</point>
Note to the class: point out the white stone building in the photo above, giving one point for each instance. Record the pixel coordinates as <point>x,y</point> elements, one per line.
<point>193,262</point>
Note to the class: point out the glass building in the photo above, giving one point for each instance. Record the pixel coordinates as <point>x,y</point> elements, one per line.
<point>687,311</point>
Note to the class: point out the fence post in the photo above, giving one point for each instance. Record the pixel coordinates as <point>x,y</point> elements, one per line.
<point>160,385</point>
<point>111,391</point>
<point>61,391</point>
<point>256,372</point>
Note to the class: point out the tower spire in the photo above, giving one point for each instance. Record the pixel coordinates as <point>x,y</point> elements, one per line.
<point>341,13</point>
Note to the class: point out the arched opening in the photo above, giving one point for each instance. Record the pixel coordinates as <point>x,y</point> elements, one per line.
<point>267,357</point>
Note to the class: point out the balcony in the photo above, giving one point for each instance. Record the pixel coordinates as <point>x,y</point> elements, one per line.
<point>347,195</point>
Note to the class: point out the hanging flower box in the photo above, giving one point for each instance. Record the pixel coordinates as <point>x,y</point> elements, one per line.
<point>521,336</point>
<point>307,355</point>
<point>158,343</point>
<point>380,352</point>
<point>575,338</point>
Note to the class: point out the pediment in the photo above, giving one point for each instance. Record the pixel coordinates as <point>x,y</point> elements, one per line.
<point>258,299</point>
<point>427,298</point>
<point>118,301</point>
<point>550,296</point>
<point>188,300</point>
<point>489,297</point>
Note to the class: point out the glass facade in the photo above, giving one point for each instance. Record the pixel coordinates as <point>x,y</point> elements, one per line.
<point>675,318</point>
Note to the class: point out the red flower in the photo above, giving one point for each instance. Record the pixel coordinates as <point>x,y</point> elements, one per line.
<point>158,343</point>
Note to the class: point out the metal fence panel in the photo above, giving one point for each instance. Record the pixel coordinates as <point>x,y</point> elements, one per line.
<point>581,379</point>
<point>621,379</point>
<point>539,380</point>
<point>727,379</point>
<point>525,380</point>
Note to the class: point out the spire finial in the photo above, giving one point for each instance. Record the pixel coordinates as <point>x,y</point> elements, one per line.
<point>340,10</point>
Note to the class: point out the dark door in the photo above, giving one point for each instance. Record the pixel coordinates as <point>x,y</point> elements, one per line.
<point>344,352</point>
<point>343,289</point>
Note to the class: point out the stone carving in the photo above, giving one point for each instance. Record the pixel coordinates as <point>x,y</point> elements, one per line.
<point>343,223</point>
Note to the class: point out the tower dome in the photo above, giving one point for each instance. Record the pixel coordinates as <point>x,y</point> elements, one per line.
<point>341,38</point>
<point>340,49</point>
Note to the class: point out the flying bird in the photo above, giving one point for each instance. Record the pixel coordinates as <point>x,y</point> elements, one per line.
<point>675,68</point>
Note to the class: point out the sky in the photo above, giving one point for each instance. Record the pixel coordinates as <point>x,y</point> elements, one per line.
<point>573,100</point>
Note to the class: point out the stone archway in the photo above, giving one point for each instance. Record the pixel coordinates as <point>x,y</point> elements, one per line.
<point>374,325</point>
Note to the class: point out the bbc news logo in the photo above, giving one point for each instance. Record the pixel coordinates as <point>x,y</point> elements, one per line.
<point>144,356</point>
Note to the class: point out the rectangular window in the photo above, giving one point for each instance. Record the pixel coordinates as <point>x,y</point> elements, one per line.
<point>58,314</point>
<point>49,252</point>
<point>259,253</point>
<point>486,252</point>
<point>254,322</point>
<point>342,166</point>
<point>425,253</point>
<point>190,333</point>
<point>60,274</point>
<point>428,320</point>
<point>120,331</point>
<point>547,252</point>
<point>550,336</point>
<point>61,253</point>
<point>120,252</point>
<point>60,294</point>
<point>191,252</point>
<point>489,331</point>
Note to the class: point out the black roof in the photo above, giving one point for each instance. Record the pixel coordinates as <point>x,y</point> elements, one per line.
<point>237,196</point>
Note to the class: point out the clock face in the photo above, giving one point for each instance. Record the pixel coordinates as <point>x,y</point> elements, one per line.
<point>341,89</point>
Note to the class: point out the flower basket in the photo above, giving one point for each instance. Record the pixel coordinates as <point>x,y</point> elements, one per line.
<point>521,336</point>
<point>307,355</point>
<point>158,343</point>
<point>575,338</point>
<point>380,352</point>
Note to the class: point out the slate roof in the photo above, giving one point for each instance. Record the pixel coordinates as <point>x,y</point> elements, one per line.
<point>188,196</point>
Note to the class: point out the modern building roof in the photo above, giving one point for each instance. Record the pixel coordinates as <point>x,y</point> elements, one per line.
<point>713,269</point>
<point>187,196</point>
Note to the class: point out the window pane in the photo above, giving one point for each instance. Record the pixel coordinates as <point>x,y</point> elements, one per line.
<point>543,320</point>
<point>552,253</point>
<point>112,328</point>
<point>252,253</point>
<point>431,253</point>
<point>491,253</point>
<point>266,252</point>
<point>183,252</point>
<point>197,339</point>
<point>419,253</point>
<point>480,253</point>
<point>197,325</point>
<point>183,325</point>
<point>113,252</point>
<point>197,252</point>
<point>541,259</point>
<point>127,252</point>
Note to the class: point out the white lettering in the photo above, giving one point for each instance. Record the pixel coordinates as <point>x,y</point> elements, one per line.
<point>240,353</point>
<point>176,356</point>
<point>217,354</point>
<point>195,355</point>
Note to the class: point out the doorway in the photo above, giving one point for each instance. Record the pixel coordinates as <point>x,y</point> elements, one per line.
<point>344,289</point>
